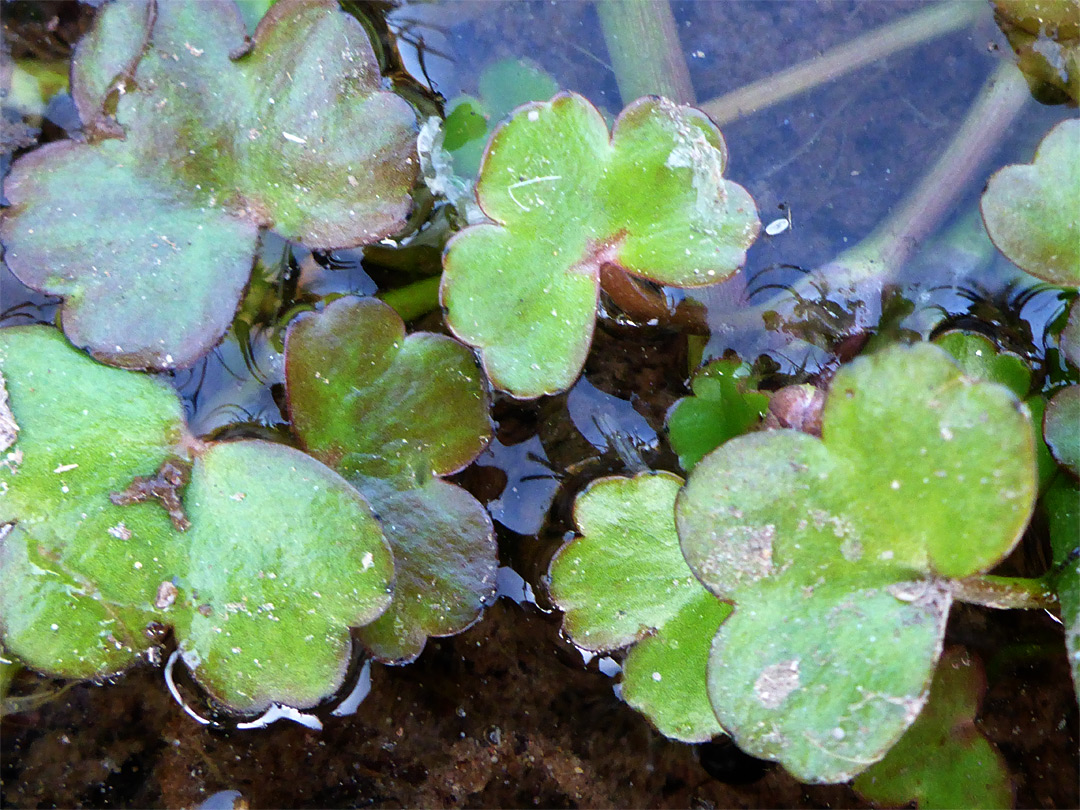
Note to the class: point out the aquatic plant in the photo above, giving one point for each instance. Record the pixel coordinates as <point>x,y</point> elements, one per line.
<point>393,414</point>
<point>120,524</point>
<point>571,202</point>
<point>199,137</point>
<point>842,555</point>
<point>1030,209</point>
<point>944,760</point>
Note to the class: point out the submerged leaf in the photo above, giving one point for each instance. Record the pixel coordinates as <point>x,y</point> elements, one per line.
<point>282,555</point>
<point>1030,209</point>
<point>150,238</point>
<point>567,198</point>
<point>392,413</point>
<point>943,760</point>
<point>623,582</point>
<point>837,553</point>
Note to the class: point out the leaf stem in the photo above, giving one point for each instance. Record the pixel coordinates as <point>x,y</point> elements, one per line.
<point>922,26</point>
<point>645,52</point>
<point>1005,593</point>
<point>414,300</point>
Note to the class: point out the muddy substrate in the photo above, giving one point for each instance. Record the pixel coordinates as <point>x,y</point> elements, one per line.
<point>501,716</point>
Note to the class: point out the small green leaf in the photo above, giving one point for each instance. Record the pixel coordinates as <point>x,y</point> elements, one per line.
<point>724,405</point>
<point>943,761</point>
<point>980,359</point>
<point>1030,209</point>
<point>150,239</point>
<point>392,412</point>
<point>1061,427</point>
<point>567,199</point>
<point>281,555</point>
<point>624,581</point>
<point>837,552</point>
<point>1061,504</point>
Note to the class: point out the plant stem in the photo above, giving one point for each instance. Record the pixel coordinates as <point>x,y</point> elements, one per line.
<point>1005,593</point>
<point>919,27</point>
<point>414,300</point>
<point>881,255</point>
<point>643,44</point>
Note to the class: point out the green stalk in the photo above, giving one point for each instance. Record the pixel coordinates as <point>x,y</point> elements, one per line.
<point>922,26</point>
<point>414,300</point>
<point>1005,593</point>
<point>643,44</point>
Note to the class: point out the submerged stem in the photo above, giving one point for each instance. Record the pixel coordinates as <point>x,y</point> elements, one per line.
<point>919,27</point>
<point>414,300</point>
<point>1005,593</point>
<point>643,44</point>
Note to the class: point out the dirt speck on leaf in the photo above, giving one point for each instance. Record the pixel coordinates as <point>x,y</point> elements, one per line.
<point>776,682</point>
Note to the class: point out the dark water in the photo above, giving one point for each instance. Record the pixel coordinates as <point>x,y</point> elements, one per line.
<point>507,714</point>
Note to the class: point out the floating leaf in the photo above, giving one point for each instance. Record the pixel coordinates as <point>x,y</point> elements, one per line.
<point>150,239</point>
<point>943,760</point>
<point>623,582</point>
<point>568,199</point>
<point>282,555</point>
<point>837,554</point>
<point>392,413</point>
<point>1030,209</point>
<point>724,405</point>
<point>1061,427</point>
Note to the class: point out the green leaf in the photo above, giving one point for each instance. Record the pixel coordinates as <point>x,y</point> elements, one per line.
<point>78,574</point>
<point>150,239</point>
<point>282,555</point>
<point>106,57</point>
<point>624,581</point>
<point>1061,427</point>
<point>1030,209</point>
<point>724,405</point>
<point>1045,35</point>
<point>980,359</point>
<point>392,413</point>
<point>837,553</point>
<point>1061,503</point>
<point>1070,335</point>
<point>566,199</point>
<point>943,760</point>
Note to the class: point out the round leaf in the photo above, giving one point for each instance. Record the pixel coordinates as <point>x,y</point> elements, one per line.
<point>835,550</point>
<point>1030,209</point>
<point>625,581</point>
<point>566,199</point>
<point>285,556</point>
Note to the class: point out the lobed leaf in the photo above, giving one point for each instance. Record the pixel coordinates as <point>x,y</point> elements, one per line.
<point>624,581</point>
<point>1030,209</point>
<point>281,555</point>
<point>1061,427</point>
<point>150,239</point>
<point>837,553</point>
<point>392,413</point>
<point>567,199</point>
